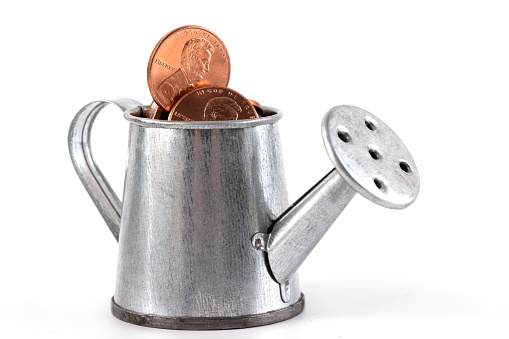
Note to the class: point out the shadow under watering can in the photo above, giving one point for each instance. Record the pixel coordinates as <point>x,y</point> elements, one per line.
<point>207,238</point>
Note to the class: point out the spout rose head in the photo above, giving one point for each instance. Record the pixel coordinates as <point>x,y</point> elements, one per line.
<point>370,157</point>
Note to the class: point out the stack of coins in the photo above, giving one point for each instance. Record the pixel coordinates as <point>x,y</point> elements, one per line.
<point>188,74</point>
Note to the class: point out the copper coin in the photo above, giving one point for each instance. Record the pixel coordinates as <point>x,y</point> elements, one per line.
<point>212,103</point>
<point>257,107</point>
<point>185,58</point>
<point>154,111</point>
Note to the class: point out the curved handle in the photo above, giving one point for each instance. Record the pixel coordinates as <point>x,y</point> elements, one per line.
<point>89,173</point>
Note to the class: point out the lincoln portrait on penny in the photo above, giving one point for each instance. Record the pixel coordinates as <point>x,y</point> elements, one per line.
<point>221,108</point>
<point>194,64</point>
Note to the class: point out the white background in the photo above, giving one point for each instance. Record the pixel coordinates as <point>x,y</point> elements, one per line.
<point>436,72</point>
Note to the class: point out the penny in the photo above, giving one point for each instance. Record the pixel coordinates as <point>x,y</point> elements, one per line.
<point>186,58</point>
<point>154,111</point>
<point>257,107</point>
<point>212,103</point>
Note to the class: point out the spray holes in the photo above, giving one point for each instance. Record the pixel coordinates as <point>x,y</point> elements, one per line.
<point>374,153</point>
<point>379,184</point>
<point>370,123</point>
<point>343,134</point>
<point>405,167</point>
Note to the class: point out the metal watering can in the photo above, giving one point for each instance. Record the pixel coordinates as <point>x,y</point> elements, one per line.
<point>207,238</point>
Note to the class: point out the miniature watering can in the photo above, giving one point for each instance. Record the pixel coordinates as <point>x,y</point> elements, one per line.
<point>207,238</point>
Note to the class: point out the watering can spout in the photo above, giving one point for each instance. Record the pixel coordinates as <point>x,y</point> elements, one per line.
<point>369,159</point>
<point>300,228</point>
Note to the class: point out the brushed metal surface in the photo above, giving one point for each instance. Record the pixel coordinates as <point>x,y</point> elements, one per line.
<point>206,232</point>
<point>194,195</point>
<point>302,226</point>
<point>370,156</point>
<point>89,173</point>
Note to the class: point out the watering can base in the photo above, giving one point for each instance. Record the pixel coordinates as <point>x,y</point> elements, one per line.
<point>207,323</point>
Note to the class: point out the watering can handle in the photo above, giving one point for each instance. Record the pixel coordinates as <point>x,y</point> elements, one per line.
<point>89,173</point>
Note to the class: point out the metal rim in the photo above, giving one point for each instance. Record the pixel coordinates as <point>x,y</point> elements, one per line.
<point>272,115</point>
<point>207,323</point>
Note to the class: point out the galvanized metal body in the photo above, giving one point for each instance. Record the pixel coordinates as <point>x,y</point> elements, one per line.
<point>207,240</point>
<point>194,195</point>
